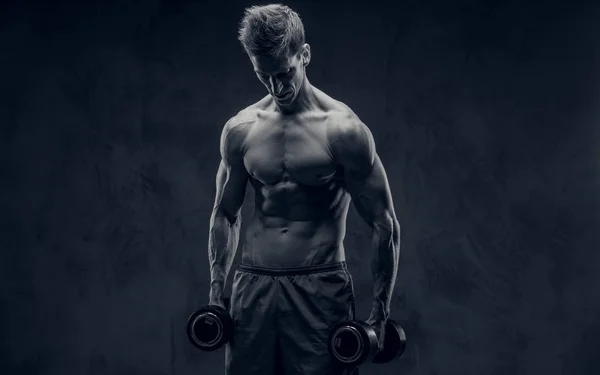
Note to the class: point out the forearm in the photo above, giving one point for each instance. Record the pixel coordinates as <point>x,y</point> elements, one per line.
<point>222,245</point>
<point>386,246</point>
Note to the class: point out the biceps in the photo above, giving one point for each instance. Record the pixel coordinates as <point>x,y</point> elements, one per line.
<point>371,193</point>
<point>231,188</point>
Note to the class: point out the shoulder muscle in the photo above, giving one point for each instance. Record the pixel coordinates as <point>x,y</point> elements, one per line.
<point>352,144</point>
<point>233,137</point>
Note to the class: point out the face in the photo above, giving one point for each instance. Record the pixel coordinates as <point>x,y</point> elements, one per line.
<point>282,76</point>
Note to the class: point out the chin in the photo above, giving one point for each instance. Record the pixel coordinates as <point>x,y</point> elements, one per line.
<point>287,101</point>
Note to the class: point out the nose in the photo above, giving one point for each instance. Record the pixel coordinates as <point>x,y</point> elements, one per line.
<point>276,86</point>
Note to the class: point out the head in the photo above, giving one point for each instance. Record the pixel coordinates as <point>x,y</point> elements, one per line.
<point>273,37</point>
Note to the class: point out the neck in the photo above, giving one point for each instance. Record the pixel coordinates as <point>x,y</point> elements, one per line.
<point>304,100</point>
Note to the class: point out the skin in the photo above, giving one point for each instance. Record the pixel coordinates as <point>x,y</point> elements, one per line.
<point>307,157</point>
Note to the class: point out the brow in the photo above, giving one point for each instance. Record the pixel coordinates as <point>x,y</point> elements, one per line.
<point>281,72</point>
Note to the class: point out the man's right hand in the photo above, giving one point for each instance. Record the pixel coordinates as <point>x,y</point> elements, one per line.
<point>222,302</point>
<point>216,298</point>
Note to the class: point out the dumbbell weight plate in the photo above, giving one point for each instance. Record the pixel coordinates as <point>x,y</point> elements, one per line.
<point>352,342</point>
<point>394,343</point>
<point>209,328</point>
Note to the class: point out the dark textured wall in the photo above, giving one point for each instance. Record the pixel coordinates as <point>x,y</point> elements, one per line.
<point>485,115</point>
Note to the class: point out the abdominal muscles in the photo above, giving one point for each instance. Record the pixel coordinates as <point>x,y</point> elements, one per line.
<point>296,225</point>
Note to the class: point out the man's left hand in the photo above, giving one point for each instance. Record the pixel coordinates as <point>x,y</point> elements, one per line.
<point>378,324</point>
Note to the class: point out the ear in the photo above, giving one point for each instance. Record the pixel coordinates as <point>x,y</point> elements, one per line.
<point>305,54</point>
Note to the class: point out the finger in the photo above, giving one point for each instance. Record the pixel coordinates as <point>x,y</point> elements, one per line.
<point>381,337</point>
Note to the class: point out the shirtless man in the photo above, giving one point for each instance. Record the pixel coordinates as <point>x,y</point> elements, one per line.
<point>307,156</point>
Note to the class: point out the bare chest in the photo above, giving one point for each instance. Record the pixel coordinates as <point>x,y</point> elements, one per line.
<point>277,152</point>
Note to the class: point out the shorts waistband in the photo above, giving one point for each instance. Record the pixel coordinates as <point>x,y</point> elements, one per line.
<point>291,271</point>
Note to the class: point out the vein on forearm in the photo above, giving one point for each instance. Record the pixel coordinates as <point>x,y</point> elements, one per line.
<point>384,266</point>
<point>222,244</point>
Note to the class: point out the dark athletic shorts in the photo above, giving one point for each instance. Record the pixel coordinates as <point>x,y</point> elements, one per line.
<point>282,319</point>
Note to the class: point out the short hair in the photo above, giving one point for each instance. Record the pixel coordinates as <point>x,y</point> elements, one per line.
<point>271,30</point>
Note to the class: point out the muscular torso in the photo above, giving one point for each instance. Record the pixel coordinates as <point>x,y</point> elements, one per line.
<point>300,200</point>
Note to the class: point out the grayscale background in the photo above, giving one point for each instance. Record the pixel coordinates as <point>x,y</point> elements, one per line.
<point>486,115</point>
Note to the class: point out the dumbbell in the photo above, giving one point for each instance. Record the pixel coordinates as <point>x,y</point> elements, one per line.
<point>354,342</point>
<point>210,327</point>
